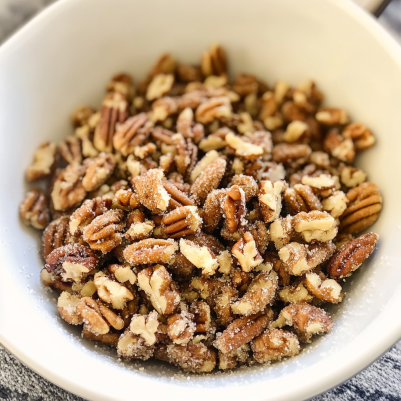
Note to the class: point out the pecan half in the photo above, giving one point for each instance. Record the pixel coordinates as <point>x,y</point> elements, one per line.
<point>112,292</point>
<point>84,215</point>
<point>270,199</point>
<point>159,286</point>
<point>55,235</point>
<point>208,180</point>
<point>352,255</point>
<point>70,150</point>
<point>132,133</point>
<point>145,326</point>
<point>104,232</point>
<point>301,198</point>
<point>275,344</point>
<point>114,110</point>
<point>92,316</point>
<point>34,210</point>
<point>213,109</point>
<point>327,289</point>
<point>108,338</point>
<point>212,210</point>
<point>132,346</point>
<point>259,294</point>
<point>186,154</point>
<point>195,358</point>
<point>340,148</point>
<point>360,135</point>
<point>151,192</point>
<point>298,258</point>
<point>331,116</point>
<point>306,319</point>
<point>246,252</point>
<point>67,307</point>
<point>235,208</point>
<point>243,147</point>
<point>365,204</point>
<point>43,162</point>
<point>160,85</point>
<point>294,293</point>
<point>125,199</point>
<point>150,250</point>
<point>177,197</point>
<point>187,127</point>
<point>291,154</point>
<point>181,327</point>
<point>315,225</point>
<point>98,170</point>
<point>242,331</point>
<point>182,221</point>
<point>71,262</point>
<point>68,190</point>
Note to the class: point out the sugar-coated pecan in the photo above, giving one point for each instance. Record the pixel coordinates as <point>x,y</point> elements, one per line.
<point>178,198</point>
<point>202,317</point>
<point>98,170</point>
<point>306,319</point>
<point>214,61</point>
<point>123,273</point>
<point>294,293</point>
<point>247,184</point>
<point>55,235</point>
<point>132,133</point>
<point>275,344</point>
<point>246,252</point>
<point>91,315</point>
<point>187,127</point>
<point>335,204</point>
<point>34,210</point>
<point>331,116</point>
<point>326,289</point>
<point>83,216</point>
<point>70,150</point>
<point>138,227</point>
<point>242,331</point>
<point>299,258</point>
<point>291,154</point>
<point>260,293</point>
<point>181,327</point>
<point>125,199</point>
<point>213,109</point>
<point>360,135</point>
<point>203,163</point>
<point>43,162</point>
<point>321,184</point>
<point>260,234</point>
<point>182,221</point>
<point>351,255</point>
<point>132,346</point>
<point>108,338</point>
<point>104,232</point>
<point>212,210</point>
<point>68,190</point>
<point>150,250</point>
<point>352,177</point>
<point>365,204</point>
<point>112,292</point>
<point>71,262</point>
<point>67,307</point>
<point>315,225</point>
<point>235,208</point>
<point>201,256</point>
<point>146,327</point>
<point>114,110</point>
<point>301,198</point>
<point>195,358</point>
<point>208,180</point>
<point>186,154</point>
<point>340,148</point>
<point>243,147</point>
<point>160,288</point>
<point>270,199</point>
<point>151,192</point>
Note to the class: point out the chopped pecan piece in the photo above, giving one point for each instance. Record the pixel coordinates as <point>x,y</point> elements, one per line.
<point>315,225</point>
<point>306,319</point>
<point>181,327</point>
<point>125,199</point>
<point>138,227</point>
<point>259,294</point>
<point>275,344</point>
<point>112,292</point>
<point>98,170</point>
<point>327,289</point>
<point>151,191</point>
<point>243,148</point>
<point>291,154</point>
<point>68,190</point>
<point>104,232</point>
<point>335,204</point>
<point>70,150</point>
<point>34,210</point>
<point>150,250</point>
<point>114,110</point>
<point>123,273</point>
<point>187,127</point>
<point>108,338</point>
<point>296,131</point>
<point>177,197</point>
<point>295,293</point>
<point>270,199</point>
<point>132,346</point>
<point>365,204</point>
<point>351,255</point>
<point>331,116</point>
<point>212,210</point>
<point>231,359</point>
<point>55,235</point>
<point>299,258</point>
<point>203,163</point>
<point>208,180</point>
<point>301,198</point>
<point>186,154</point>
<point>159,286</point>
<point>246,252</point>
<point>214,61</point>
<point>242,331</point>
<point>202,317</point>
<point>322,184</point>
<point>195,358</point>
<point>360,135</point>
<point>72,262</point>
<point>281,231</point>
<point>352,177</point>
<point>67,307</point>
<point>122,83</point>
<point>213,109</point>
<point>340,148</point>
<point>132,133</point>
<point>182,221</point>
<point>235,208</point>
<point>160,85</point>
<point>43,162</point>
<point>82,115</point>
<point>146,327</point>
<point>201,256</point>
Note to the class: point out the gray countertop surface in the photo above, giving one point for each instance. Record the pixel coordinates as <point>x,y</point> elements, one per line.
<point>380,382</point>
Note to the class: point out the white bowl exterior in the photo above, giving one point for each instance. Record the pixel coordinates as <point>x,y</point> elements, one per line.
<point>64,58</point>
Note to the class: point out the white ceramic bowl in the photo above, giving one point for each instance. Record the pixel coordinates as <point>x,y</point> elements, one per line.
<point>64,58</point>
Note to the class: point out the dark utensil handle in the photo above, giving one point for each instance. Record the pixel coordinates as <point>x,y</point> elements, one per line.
<point>381,8</point>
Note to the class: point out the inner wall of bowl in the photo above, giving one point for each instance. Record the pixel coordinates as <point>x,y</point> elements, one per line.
<point>277,39</point>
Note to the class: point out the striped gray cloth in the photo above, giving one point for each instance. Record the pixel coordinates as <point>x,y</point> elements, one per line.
<point>379,382</point>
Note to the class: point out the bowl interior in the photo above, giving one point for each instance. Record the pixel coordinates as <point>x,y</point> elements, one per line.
<point>65,57</point>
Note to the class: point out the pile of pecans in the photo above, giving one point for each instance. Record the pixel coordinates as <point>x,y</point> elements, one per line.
<point>203,222</point>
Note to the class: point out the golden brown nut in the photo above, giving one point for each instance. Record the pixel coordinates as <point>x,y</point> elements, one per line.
<point>340,148</point>
<point>125,199</point>
<point>214,61</point>
<point>186,154</point>
<point>315,225</point>
<point>150,250</point>
<point>195,358</point>
<point>43,162</point>
<point>67,307</point>
<point>55,235</point>
<point>91,315</point>
<point>212,210</point>
<point>34,210</point>
<point>360,135</point>
<point>270,199</point>
<point>331,116</point>
<point>112,292</point>
<point>213,109</point>
<point>70,150</point>
<point>301,198</point>
<point>291,154</point>
<point>246,252</point>
<point>181,327</point>
<point>235,208</point>
<point>98,170</point>
<point>327,289</point>
<point>181,222</point>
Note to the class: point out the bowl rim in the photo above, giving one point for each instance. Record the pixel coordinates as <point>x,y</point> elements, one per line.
<point>337,374</point>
